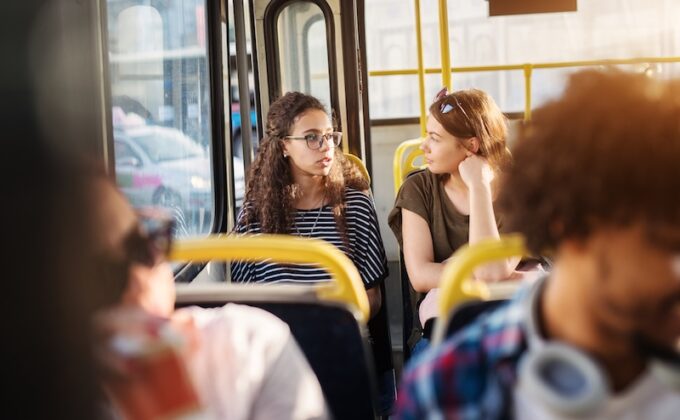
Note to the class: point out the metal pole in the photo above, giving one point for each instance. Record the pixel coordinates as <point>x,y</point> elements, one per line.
<point>243,85</point>
<point>444,43</point>
<point>421,71</point>
<point>528,69</point>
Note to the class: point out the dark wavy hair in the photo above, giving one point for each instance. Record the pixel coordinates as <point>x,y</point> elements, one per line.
<point>480,117</point>
<point>606,153</point>
<point>271,191</point>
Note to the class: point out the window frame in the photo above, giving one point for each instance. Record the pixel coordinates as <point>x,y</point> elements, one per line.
<point>271,38</point>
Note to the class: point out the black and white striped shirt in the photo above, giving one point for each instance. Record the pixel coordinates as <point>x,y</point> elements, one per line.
<point>363,234</point>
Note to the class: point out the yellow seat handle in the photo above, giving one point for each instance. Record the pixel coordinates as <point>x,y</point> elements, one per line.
<point>456,283</point>
<point>347,287</point>
<point>360,165</point>
<point>408,150</point>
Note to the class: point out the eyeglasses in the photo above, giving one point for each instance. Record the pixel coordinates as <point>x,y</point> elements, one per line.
<point>316,141</point>
<point>445,107</point>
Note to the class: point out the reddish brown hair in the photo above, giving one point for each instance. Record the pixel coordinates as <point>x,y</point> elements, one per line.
<point>479,117</point>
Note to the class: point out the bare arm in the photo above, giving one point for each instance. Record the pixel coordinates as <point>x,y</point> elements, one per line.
<point>483,226</point>
<point>418,250</point>
<point>478,177</point>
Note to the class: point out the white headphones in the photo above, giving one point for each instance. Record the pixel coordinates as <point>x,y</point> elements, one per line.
<point>565,379</point>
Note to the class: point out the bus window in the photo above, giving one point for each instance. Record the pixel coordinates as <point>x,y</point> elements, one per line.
<point>304,66</point>
<point>161,108</point>
<point>600,29</point>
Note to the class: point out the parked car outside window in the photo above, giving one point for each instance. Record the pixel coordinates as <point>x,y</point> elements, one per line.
<point>161,166</point>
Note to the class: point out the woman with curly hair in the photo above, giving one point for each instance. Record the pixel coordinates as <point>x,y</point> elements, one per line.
<point>301,184</point>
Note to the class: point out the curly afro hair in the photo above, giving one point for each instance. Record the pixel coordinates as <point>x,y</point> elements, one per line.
<point>607,153</point>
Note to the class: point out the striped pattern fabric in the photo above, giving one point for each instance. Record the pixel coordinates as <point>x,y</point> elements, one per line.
<point>366,247</point>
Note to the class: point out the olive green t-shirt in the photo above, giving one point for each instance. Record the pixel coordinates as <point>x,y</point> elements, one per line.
<point>423,193</point>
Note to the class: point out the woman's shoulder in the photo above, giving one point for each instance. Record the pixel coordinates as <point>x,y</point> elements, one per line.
<point>358,201</point>
<point>418,187</point>
<point>352,195</point>
<point>420,180</point>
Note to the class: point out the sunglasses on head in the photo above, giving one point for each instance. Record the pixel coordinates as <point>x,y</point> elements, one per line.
<point>446,107</point>
<point>149,242</point>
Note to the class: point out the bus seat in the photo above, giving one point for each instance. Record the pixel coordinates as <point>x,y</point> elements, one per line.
<point>411,328</point>
<point>467,312</point>
<point>360,165</point>
<point>458,288</point>
<point>379,329</point>
<point>404,165</point>
<point>404,162</point>
<point>328,320</point>
<point>334,343</point>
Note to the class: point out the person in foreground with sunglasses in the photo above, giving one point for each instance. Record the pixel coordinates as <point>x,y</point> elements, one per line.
<point>235,360</point>
<point>451,203</point>
<point>301,184</point>
<point>595,180</point>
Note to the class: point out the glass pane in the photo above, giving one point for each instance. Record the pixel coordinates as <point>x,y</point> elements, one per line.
<point>161,108</point>
<point>600,29</point>
<point>304,51</point>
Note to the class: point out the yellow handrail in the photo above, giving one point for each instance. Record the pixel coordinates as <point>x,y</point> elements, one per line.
<point>456,283</point>
<point>528,71</point>
<point>420,71</point>
<point>528,68</point>
<point>444,43</point>
<point>409,164</point>
<point>347,286</point>
<point>360,165</point>
<point>399,170</point>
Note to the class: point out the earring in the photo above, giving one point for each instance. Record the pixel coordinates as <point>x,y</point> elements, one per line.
<point>285,155</point>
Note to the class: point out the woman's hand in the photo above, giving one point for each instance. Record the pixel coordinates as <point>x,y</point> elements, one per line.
<point>475,171</point>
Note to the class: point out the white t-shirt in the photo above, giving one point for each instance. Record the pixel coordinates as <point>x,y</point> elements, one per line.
<point>248,366</point>
<point>647,398</point>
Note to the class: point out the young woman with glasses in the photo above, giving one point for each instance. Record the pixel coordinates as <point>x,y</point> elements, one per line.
<point>451,203</point>
<point>301,184</point>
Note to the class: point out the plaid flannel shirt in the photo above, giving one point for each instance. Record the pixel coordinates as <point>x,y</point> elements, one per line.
<point>472,374</point>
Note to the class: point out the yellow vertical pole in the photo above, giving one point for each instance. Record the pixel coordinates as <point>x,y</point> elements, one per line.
<point>444,43</point>
<point>421,70</point>
<point>528,68</point>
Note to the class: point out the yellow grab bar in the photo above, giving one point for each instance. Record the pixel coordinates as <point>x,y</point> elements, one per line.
<point>401,169</point>
<point>421,69</point>
<point>347,287</point>
<point>409,164</point>
<point>456,285</point>
<point>359,164</point>
<point>444,43</point>
<point>527,68</point>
